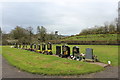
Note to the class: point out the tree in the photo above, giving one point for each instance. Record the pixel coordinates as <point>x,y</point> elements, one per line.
<point>30,29</point>
<point>20,34</point>
<point>42,32</point>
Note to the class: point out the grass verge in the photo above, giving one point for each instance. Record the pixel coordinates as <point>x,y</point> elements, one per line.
<point>46,64</point>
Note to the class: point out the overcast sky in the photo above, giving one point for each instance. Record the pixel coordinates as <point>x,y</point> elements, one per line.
<point>67,16</point>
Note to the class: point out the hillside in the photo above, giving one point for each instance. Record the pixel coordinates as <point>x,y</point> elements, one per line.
<point>93,37</point>
<point>90,39</point>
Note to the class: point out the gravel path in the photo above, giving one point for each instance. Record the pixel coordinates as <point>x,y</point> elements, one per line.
<point>9,71</point>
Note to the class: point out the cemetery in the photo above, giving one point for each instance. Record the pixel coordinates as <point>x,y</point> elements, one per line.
<point>49,59</point>
<point>64,53</point>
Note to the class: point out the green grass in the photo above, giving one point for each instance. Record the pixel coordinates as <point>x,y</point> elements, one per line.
<point>93,37</point>
<point>104,52</point>
<point>46,64</point>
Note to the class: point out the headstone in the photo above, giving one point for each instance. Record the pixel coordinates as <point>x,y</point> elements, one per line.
<point>43,47</point>
<point>16,45</point>
<point>89,53</point>
<point>31,46</point>
<point>58,50</point>
<point>76,51</point>
<point>65,51</point>
<point>19,45</point>
<point>23,46</point>
<point>34,46</point>
<point>39,47</point>
<point>49,46</point>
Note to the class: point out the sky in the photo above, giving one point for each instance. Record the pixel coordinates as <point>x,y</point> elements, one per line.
<point>69,17</point>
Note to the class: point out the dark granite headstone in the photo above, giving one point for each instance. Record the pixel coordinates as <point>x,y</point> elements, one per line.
<point>31,46</point>
<point>39,47</point>
<point>19,45</point>
<point>16,45</point>
<point>34,46</point>
<point>76,51</point>
<point>23,46</point>
<point>89,53</point>
<point>65,51</point>
<point>43,47</point>
<point>58,50</point>
<point>49,46</point>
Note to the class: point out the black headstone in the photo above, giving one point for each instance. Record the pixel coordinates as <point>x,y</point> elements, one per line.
<point>19,45</point>
<point>39,47</point>
<point>65,51</point>
<point>89,53</point>
<point>16,45</point>
<point>43,47</point>
<point>76,51</point>
<point>49,46</point>
<point>34,46</point>
<point>31,46</point>
<point>58,50</point>
<point>23,46</point>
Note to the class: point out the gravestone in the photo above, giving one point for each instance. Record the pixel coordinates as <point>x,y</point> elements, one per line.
<point>39,47</point>
<point>89,53</point>
<point>65,51</point>
<point>34,46</point>
<point>58,50</point>
<point>49,46</point>
<point>76,51</point>
<point>16,45</point>
<point>23,46</point>
<point>31,46</point>
<point>43,47</point>
<point>19,45</point>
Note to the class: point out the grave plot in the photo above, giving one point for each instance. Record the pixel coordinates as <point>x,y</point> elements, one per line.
<point>38,49</point>
<point>76,53</point>
<point>49,49</point>
<point>58,50</point>
<point>65,51</point>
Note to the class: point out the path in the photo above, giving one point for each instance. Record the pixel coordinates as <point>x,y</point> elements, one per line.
<point>12,72</point>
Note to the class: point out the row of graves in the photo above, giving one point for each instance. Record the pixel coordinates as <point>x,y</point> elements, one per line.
<point>61,51</point>
<point>36,48</point>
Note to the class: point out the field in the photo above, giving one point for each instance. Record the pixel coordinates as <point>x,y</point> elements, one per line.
<point>51,65</point>
<point>93,37</point>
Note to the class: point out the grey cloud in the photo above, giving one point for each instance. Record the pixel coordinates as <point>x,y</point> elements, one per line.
<point>67,19</point>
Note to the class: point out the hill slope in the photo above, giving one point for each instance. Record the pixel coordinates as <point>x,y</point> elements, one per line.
<point>90,39</point>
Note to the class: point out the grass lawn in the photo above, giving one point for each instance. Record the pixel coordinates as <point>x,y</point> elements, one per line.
<point>47,64</point>
<point>104,52</point>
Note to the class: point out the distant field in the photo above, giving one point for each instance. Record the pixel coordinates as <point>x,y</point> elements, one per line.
<point>93,37</point>
<point>46,64</point>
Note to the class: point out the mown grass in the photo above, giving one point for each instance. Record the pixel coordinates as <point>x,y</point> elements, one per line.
<point>104,52</point>
<point>46,64</point>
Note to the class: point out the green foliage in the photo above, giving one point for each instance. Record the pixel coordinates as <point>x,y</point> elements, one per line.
<point>20,34</point>
<point>46,64</point>
<point>107,28</point>
<point>41,33</point>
